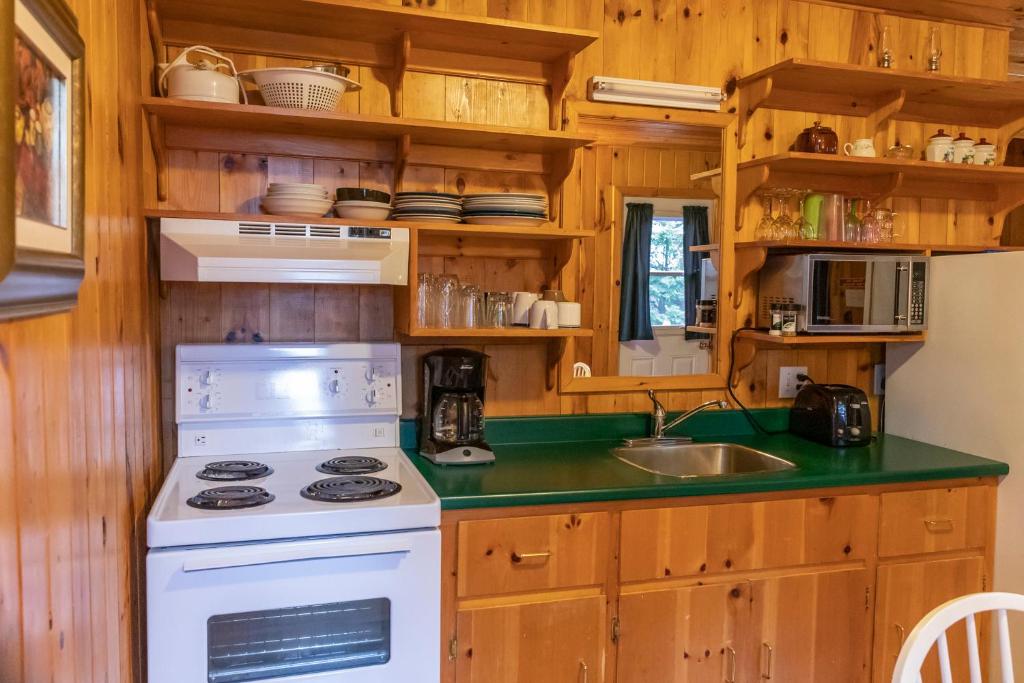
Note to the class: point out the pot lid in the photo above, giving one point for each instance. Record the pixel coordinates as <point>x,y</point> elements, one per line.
<point>941,135</point>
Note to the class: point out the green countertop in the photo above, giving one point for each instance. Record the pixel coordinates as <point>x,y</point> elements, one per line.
<point>542,461</point>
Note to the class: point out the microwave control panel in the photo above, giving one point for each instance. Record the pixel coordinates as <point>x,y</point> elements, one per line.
<point>918,275</point>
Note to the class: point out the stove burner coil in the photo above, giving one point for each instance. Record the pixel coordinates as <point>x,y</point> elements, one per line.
<point>350,489</point>
<point>351,464</point>
<point>234,470</point>
<point>230,498</point>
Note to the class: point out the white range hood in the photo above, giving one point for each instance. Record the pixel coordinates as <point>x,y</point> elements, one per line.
<point>198,250</point>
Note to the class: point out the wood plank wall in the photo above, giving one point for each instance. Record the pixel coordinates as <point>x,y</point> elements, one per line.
<point>78,411</point>
<point>703,42</point>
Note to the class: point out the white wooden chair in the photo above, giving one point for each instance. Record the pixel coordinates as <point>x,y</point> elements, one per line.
<point>932,631</point>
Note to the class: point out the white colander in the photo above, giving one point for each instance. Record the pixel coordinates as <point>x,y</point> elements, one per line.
<point>298,88</point>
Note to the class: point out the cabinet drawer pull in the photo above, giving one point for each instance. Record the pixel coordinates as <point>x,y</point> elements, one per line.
<point>538,558</point>
<point>939,526</point>
<point>584,672</point>
<point>902,634</point>
<point>766,662</point>
<point>730,665</point>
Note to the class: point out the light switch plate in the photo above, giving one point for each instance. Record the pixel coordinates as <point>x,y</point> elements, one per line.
<point>789,385</point>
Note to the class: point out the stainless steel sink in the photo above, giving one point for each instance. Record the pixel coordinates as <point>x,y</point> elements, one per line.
<point>700,459</point>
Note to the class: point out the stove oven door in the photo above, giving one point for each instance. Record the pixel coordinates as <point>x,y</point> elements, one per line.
<point>354,609</point>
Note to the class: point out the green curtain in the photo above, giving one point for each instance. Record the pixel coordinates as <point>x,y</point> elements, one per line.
<point>695,229</point>
<point>635,303</point>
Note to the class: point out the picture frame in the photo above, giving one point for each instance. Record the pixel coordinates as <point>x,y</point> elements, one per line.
<point>42,158</point>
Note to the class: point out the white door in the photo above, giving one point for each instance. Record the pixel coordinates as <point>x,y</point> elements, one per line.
<point>353,609</point>
<point>669,354</point>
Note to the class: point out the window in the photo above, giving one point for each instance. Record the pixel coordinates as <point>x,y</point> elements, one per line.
<point>668,277</point>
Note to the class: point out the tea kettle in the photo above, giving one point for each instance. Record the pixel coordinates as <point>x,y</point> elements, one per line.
<point>203,80</point>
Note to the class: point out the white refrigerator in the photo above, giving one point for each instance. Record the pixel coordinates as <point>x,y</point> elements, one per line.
<point>964,387</point>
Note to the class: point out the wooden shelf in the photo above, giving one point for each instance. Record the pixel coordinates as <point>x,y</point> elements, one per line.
<point>822,245</point>
<point>1001,186</point>
<point>829,339</point>
<point>704,248</point>
<point>547,232</point>
<point>701,330</point>
<point>880,95</point>
<point>501,333</point>
<point>367,33</point>
<point>185,124</point>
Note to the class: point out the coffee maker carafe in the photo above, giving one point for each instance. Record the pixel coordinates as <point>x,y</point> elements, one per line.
<point>452,424</point>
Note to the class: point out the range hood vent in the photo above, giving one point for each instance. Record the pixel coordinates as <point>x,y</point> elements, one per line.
<point>197,250</point>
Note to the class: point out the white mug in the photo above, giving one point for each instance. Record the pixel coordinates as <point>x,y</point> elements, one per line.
<point>569,314</point>
<point>544,315</point>
<point>521,304</point>
<point>865,147</point>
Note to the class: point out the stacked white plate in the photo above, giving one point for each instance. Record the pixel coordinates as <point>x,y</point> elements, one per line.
<point>297,199</point>
<point>436,207</point>
<point>505,208</point>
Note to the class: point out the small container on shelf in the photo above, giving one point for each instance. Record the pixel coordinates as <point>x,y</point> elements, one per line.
<point>775,329</point>
<point>707,313</point>
<point>790,319</point>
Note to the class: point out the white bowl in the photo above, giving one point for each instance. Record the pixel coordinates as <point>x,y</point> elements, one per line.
<point>364,213</point>
<point>311,187</point>
<point>298,195</point>
<point>296,207</point>
<point>361,204</point>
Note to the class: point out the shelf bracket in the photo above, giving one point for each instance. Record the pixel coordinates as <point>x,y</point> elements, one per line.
<point>156,35</point>
<point>749,260</point>
<point>751,99</point>
<point>561,75</point>
<point>1006,134</point>
<point>156,141</point>
<point>893,183</point>
<point>561,166</point>
<point>748,181</point>
<point>556,349</point>
<point>746,350</point>
<point>879,117</point>
<point>403,146</point>
<point>1010,197</point>
<point>402,49</point>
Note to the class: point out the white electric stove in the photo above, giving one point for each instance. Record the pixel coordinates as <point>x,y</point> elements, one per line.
<point>292,540</point>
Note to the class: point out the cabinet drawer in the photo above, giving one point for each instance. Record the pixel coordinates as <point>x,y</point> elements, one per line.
<point>691,541</point>
<point>532,553</point>
<point>913,522</point>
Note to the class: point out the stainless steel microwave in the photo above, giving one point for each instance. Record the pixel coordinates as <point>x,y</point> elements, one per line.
<point>847,293</point>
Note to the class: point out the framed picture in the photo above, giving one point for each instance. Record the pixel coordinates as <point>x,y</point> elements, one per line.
<point>42,213</point>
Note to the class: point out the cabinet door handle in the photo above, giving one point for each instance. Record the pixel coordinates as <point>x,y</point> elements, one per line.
<point>730,664</point>
<point>538,558</point>
<point>766,662</point>
<point>901,633</point>
<point>584,676</point>
<point>939,526</point>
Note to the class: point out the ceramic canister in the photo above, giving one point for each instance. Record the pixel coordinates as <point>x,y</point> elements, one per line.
<point>569,313</point>
<point>963,150</point>
<point>544,315</point>
<point>940,147</point>
<point>985,153</point>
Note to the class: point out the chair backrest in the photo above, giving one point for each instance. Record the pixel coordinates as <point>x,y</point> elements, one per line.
<point>932,631</point>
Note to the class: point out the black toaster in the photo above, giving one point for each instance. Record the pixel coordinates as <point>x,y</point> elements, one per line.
<point>832,414</point>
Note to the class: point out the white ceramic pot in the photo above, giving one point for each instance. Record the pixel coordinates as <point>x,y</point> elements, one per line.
<point>202,81</point>
<point>963,152</point>
<point>544,315</point>
<point>985,155</point>
<point>569,313</point>
<point>939,149</point>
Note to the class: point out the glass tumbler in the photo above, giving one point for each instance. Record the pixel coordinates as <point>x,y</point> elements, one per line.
<point>426,300</point>
<point>448,294</point>
<point>471,307</point>
<point>499,309</point>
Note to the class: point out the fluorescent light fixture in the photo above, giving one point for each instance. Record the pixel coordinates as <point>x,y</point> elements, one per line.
<point>655,93</point>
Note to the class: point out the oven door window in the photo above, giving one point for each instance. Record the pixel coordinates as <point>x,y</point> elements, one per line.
<point>257,646</point>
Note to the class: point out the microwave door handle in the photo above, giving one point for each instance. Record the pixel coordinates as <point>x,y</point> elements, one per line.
<point>902,303</point>
<point>270,555</point>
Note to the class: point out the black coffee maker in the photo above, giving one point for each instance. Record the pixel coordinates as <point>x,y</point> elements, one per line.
<point>452,424</point>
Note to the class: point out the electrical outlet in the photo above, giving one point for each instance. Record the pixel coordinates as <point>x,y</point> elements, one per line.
<point>199,440</point>
<point>879,387</point>
<point>789,385</point>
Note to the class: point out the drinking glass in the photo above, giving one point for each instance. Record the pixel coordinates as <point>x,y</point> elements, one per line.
<point>499,309</point>
<point>852,224</point>
<point>886,224</point>
<point>426,300</point>
<point>786,228</point>
<point>470,307</point>
<point>448,292</point>
<point>870,226</point>
<point>766,227</point>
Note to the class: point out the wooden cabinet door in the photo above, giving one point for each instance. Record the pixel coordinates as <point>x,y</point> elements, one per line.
<point>812,627</point>
<point>685,635</point>
<point>561,641</point>
<point>906,593</point>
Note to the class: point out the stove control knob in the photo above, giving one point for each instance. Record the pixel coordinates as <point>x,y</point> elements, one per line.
<point>371,374</point>
<point>334,386</point>
<point>206,378</point>
<point>371,397</point>
<point>206,402</point>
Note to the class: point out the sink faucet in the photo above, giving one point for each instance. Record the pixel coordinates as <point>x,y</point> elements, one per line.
<point>658,426</point>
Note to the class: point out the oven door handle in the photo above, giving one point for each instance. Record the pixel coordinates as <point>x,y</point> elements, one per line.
<point>271,555</point>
